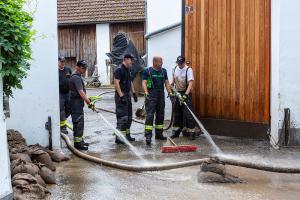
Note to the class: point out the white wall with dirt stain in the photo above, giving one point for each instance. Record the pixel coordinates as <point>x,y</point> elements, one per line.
<point>5,181</point>
<point>160,14</point>
<point>285,67</point>
<point>39,98</point>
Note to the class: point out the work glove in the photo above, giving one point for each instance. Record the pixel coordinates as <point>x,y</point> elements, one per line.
<point>94,98</point>
<point>146,95</point>
<point>92,106</point>
<point>172,97</point>
<point>135,98</point>
<point>123,100</point>
<point>184,98</point>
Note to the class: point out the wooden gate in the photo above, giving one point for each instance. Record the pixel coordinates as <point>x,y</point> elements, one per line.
<point>76,43</point>
<point>227,43</point>
<point>133,30</point>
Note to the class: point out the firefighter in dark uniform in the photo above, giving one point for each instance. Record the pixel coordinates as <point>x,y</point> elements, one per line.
<point>183,79</point>
<point>155,79</point>
<point>123,85</point>
<point>64,93</point>
<point>77,99</point>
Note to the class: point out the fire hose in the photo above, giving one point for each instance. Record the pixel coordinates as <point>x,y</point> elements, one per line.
<point>182,164</point>
<point>135,120</point>
<point>169,166</point>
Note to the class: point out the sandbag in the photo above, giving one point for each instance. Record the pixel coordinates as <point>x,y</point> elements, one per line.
<point>23,176</point>
<point>43,157</point>
<point>22,156</point>
<point>216,173</point>
<point>23,167</point>
<point>19,182</point>
<point>18,197</point>
<point>32,191</point>
<point>57,156</point>
<point>40,180</point>
<point>13,135</point>
<point>20,148</point>
<point>47,175</point>
<point>213,167</point>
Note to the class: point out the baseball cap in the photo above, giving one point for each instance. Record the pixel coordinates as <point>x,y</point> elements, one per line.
<point>180,60</point>
<point>61,59</point>
<point>82,63</point>
<point>128,56</point>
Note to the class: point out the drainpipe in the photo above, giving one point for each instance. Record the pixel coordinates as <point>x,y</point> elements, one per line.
<point>183,28</point>
<point>146,31</point>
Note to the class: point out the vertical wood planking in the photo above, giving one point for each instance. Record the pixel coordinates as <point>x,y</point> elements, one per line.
<point>228,45</point>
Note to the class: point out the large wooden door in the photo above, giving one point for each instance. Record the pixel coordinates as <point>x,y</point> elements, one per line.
<point>76,43</point>
<point>228,45</point>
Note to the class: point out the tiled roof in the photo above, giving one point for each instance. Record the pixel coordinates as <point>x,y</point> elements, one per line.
<point>99,11</point>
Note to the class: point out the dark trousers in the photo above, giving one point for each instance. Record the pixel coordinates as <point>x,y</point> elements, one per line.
<point>155,107</point>
<point>123,113</point>
<point>77,115</point>
<point>182,116</point>
<point>64,106</point>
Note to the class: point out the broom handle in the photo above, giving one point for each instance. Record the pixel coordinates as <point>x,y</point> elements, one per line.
<point>172,141</point>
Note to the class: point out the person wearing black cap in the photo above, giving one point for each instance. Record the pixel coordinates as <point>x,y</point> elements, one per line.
<point>64,93</point>
<point>155,79</point>
<point>183,79</point>
<point>123,85</point>
<point>77,99</point>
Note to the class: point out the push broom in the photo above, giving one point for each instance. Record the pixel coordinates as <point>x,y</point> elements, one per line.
<point>178,148</point>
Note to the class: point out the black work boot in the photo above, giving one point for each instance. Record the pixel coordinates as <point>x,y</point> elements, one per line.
<point>159,135</point>
<point>129,138</point>
<point>148,136</point>
<point>175,134</point>
<point>64,130</point>
<point>85,143</point>
<point>192,135</point>
<point>80,146</point>
<point>185,133</point>
<point>119,140</point>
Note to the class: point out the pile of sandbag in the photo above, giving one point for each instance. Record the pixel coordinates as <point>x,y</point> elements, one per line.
<point>32,167</point>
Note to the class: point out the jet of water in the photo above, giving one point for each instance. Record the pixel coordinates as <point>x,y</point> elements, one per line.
<point>206,134</point>
<point>119,134</point>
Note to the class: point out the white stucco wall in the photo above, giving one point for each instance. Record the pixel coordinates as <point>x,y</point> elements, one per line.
<point>285,66</point>
<point>39,97</point>
<point>168,44</point>
<point>5,183</point>
<point>103,47</point>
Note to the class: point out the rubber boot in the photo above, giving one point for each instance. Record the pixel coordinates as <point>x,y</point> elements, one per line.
<point>80,146</point>
<point>129,138</point>
<point>159,135</point>
<point>148,136</point>
<point>175,134</point>
<point>119,140</point>
<point>192,135</point>
<point>85,143</point>
<point>185,133</point>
